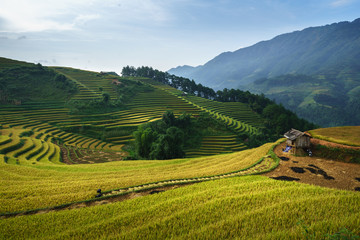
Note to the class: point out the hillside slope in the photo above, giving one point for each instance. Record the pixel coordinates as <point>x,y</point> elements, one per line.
<point>314,72</point>
<point>22,82</point>
<point>105,111</point>
<point>310,51</point>
<point>329,99</point>
<point>238,208</point>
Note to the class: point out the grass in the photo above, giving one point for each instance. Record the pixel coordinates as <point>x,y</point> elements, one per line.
<point>349,135</point>
<point>252,207</point>
<point>44,184</point>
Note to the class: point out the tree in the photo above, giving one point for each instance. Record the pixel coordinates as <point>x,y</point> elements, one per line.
<point>162,139</point>
<point>144,138</point>
<point>168,145</point>
<point>169,118</point>
<point>106,97</point>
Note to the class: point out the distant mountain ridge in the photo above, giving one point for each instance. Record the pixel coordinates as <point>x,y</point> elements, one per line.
<point>314,72</point>
<point>311,51</point>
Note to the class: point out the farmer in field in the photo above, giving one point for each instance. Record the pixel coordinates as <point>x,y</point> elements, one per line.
<point>99,193</point>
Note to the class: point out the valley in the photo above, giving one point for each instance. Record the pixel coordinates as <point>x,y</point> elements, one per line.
<point>57,152</point>
<point>314,72</point>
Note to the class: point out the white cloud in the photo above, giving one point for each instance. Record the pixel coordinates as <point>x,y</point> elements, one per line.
<point>82,19</point>
<point>340,3</point>
<point>35,15</point>
<point>39,15</point>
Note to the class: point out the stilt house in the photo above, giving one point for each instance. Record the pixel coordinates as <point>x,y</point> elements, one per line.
<point>297,141</point>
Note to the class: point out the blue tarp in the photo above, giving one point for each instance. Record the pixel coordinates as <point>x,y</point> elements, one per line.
<point>287,149</point>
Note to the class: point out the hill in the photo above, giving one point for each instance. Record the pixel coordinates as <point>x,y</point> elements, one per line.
<point>22,82</point>
<point>330,99</point>
<point>310,71</point>
<point>105,111</point>
<point>252,207</point>
<point>56,155</point>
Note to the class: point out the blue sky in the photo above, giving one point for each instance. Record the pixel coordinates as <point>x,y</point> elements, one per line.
<point>105,35</point>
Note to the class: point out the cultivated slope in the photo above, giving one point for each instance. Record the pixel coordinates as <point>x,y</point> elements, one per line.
<point>66,125</point>
<point>29,184</point>
<point>244,207</point>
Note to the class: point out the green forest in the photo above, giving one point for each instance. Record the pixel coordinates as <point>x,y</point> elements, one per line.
<point>277,119</point>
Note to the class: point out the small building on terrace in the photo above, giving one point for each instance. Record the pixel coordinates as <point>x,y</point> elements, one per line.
<point>297,141</point>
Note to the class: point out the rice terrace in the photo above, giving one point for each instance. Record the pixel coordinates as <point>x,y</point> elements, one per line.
<point>149,155</point>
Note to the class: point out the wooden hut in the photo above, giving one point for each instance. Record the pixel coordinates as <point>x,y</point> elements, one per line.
<point>297,141</point>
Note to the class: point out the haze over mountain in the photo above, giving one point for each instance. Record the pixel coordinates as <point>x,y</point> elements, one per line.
<point>326,56</point>
<point>310,51</point>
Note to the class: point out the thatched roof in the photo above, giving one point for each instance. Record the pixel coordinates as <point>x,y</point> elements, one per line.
<point>293,134</point>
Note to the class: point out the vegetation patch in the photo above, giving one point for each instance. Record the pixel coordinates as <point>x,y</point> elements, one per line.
<point>168,137</point>
<point>22,84</point>
<point>338,154</point>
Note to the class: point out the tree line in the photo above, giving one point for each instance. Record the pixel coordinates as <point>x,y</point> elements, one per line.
<point>277,119</point>
<point>256,102</point>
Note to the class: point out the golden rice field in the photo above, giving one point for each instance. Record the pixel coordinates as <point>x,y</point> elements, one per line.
<point>28,186</point>
<point>250,207</point>
<point>348,135</point>
<point>32,176</point>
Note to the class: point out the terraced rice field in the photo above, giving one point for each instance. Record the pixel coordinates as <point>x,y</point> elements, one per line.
<point>236,110</point>
<point>222,205</point>
<point>212,145</point>
<point>8,63</point>
<point>33,150</point>
<point>26,186</point>
<point>52,118</point>
<point>252,207</point>
<point>89,83</point>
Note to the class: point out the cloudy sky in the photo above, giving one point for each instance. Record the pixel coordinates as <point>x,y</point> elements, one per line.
<point>109,34</point>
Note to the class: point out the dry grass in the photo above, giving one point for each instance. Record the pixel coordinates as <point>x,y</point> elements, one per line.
<point>349,135</point>
<point>44,184</point>
<point>252,207</point>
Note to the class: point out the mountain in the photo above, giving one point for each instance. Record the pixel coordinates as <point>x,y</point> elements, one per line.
<point>310,51</point>
<point>327,56</point>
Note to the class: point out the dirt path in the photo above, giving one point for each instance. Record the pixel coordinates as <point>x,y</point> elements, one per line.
<point>316,171</point>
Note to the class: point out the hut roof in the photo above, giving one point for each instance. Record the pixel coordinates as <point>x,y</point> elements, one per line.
<point>293,134</point>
